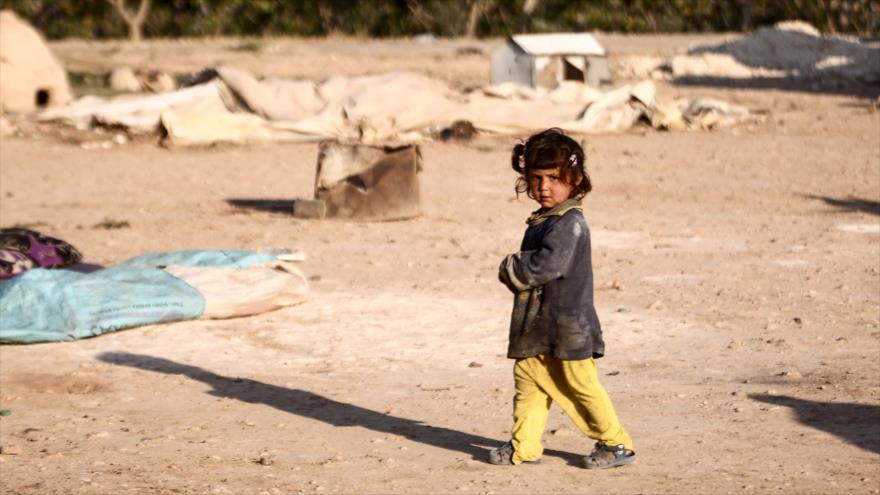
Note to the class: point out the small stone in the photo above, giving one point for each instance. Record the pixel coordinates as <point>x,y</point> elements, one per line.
<point>124,79</point>
<point>658,304</point>
<point>10,450</point>
<point>265,460</point>
<point>474,364</point>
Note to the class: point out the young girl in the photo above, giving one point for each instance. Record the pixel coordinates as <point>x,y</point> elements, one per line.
<point>555,335</point>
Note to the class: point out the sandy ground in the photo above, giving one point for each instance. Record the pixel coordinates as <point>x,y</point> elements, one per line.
<point>738,281</point>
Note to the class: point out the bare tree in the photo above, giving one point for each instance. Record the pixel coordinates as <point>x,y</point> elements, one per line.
<point>419,14</point>
<point>478,9</point>
<point>134,20</point>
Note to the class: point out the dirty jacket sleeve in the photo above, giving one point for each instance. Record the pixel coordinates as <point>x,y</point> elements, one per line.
<point>533,268</point>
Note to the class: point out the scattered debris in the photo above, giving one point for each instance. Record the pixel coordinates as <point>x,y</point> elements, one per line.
<point>368,182</point>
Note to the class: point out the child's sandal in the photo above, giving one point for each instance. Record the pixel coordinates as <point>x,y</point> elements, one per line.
<point>608,456</point>
<point>503,456</point>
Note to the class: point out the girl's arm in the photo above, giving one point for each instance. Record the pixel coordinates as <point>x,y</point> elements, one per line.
<point>534,268</point>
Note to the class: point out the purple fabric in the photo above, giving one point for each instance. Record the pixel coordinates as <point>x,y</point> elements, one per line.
<point>23,249</point>
<point>45,255</point>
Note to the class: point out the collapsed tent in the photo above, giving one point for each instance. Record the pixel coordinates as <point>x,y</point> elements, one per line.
<point>230,105</point>
<point>43,305</point>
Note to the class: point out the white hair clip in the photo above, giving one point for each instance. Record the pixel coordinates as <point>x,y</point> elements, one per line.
<point>573,160</point>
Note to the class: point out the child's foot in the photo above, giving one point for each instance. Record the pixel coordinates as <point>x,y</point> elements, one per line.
<point>504,456</point>
<point>608,456</point>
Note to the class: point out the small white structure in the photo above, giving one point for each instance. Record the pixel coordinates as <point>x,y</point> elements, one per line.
<point>30,76</point>
<point>545,60</point>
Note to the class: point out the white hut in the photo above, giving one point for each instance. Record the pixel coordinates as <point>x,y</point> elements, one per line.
<point>30,76</point>
<point>545,60</point>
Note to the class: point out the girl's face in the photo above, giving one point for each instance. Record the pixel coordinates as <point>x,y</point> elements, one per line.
<point>548,187</point>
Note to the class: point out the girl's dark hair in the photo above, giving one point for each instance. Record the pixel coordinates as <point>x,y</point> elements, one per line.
<point>551,149</point>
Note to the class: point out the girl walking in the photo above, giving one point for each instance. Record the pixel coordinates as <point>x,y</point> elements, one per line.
<point>555,336</point>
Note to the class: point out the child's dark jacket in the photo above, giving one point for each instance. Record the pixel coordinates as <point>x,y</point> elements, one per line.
<point>552,280</point>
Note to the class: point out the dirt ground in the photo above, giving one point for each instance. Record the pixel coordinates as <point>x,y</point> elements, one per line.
<point>738,282</point>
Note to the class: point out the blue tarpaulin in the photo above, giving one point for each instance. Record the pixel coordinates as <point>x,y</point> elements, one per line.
<point>50,305</point>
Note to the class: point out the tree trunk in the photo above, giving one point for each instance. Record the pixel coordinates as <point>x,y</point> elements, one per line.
<point>746,15</point>
<point>525,19</point>
<point>134,32</point>
<point>328,19</point>
<point>478,8</point>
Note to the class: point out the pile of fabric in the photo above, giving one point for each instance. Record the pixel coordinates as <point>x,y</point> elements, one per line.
<point>230,105</point>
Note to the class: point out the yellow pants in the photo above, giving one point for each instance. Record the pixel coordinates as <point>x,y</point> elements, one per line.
<point>574,385</point>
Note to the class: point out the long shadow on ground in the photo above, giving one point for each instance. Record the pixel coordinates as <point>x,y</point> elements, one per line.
<point>858,424</point>
<point>814,85</point>
<point>850,204</point>
<point>314,406</point>
<point>269,205</point>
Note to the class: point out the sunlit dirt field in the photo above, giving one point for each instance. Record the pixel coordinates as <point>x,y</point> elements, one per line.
<point>737,274</point>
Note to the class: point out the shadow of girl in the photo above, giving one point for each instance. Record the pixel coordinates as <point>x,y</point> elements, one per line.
<point>314,406</point>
